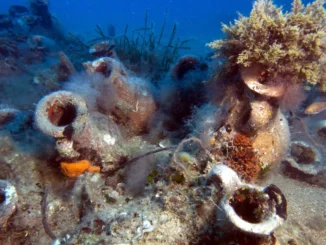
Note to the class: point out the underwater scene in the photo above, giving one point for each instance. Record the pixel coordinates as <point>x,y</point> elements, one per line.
<point>162,122</point>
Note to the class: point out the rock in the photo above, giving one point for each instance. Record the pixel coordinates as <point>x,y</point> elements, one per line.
<point>17,11</point>
<point>5,21</point>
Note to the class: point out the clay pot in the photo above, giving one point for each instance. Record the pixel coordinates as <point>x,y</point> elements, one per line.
<point>247,208</point>
<point>64,116</point>
<point>304,163</point>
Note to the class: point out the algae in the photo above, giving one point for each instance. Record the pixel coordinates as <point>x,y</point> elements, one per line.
<point>291,44</point>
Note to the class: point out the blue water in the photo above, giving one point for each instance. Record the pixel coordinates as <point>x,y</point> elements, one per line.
<point>200,20</point>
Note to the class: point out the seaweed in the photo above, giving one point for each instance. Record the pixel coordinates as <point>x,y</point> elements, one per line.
<point>289,45</point>
<point>78,52</point>
<point>143,51</point>
<point>99,31</point>
<point>78,40</point>
<point>162,30</point>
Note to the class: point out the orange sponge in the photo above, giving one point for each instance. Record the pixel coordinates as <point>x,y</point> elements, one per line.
<point>77,168</point>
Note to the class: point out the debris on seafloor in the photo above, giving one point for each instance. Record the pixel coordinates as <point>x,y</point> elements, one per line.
<point>145,228</point>
<point>8,201</point>
<point>141,146</point>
